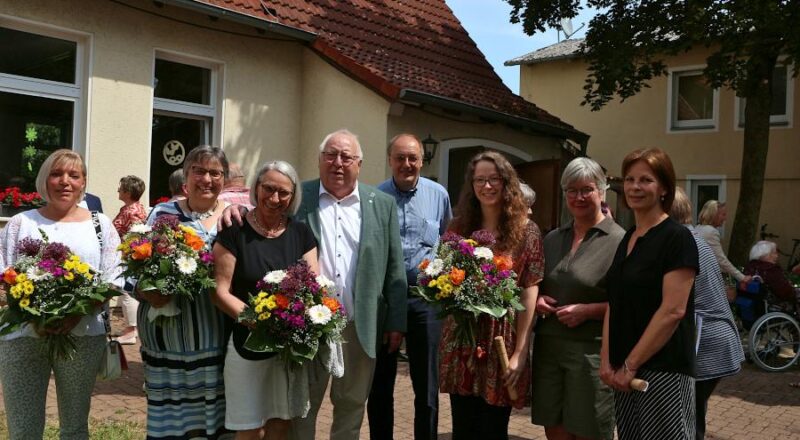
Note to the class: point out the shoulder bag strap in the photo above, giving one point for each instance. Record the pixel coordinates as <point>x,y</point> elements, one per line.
<point>98,232</point>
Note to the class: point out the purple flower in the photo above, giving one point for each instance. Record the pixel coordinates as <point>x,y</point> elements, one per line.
<point>483,237</point>
<point>486,268</point>
<point>503,274</point>
<point>56,251</point>
<point>206,257</point>
<point>29,246</point>
<point>166,221</point>
<point>466,248</point>
<point>450,237</point>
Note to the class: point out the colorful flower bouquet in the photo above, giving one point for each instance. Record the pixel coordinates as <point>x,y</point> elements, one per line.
<point>169,258</point>
<point>292,314</point>
<point>466,280</point>
<point>47,284</point>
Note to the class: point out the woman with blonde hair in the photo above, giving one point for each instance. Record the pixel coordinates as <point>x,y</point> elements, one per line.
<point>712,216</point>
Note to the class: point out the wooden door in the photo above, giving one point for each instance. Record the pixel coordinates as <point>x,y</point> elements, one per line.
<point>544,177</point>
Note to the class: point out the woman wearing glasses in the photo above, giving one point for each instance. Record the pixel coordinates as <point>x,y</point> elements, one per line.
<point>260,400</point>
<point>491,199</point>
<point>183,355</point>
<point>568,398</point>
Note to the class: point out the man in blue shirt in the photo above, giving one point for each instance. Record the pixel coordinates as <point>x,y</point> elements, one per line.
<point>423,208</point>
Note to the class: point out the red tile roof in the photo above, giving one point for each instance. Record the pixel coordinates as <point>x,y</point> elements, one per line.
<point>395,45</point>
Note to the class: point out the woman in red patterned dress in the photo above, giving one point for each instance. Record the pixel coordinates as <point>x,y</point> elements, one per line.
<point>491,199</point>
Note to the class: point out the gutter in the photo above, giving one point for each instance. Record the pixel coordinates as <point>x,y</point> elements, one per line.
<point>541,127</point>
<point>243,19</point>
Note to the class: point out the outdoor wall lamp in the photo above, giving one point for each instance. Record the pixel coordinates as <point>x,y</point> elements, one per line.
<point>429,146</point>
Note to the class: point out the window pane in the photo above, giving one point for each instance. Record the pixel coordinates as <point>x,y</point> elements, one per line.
<point>173,138</point>
<point>182,82</point>
<point>31,127</point>
<point>778,91</point>
<point>37,56</point>
<point>695,98</point>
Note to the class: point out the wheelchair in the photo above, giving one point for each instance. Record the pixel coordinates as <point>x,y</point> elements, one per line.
<point>773,343</point>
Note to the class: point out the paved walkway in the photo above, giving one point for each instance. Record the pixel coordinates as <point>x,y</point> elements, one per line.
<point>750,406</point>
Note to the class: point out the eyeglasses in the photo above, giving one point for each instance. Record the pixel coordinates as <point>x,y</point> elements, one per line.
<point>199,173</point>
<point>494,182</point>
<point>330,157</point>
<point>585,192</point>
<point>270,190</point>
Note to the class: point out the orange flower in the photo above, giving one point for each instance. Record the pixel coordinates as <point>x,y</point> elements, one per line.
<point>282,301</point>
<point>503,262</point>
<point>331,304</point>
<point>424,264</point>
<point>194,241</point>
<point>457,276</point>
<point>143,251</point>
<point>10,276</point>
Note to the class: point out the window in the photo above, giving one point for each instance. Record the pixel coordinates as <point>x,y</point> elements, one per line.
<point>693,103</point>
<point>185,115</point>
<point>42,86</point>
<point>704,188</point>
<point>782,91</point>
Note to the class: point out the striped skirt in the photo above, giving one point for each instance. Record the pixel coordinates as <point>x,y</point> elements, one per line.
<point>664,412</point>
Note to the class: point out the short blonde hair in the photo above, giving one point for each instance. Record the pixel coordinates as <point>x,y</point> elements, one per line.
<point>681,210</point>
<point>709,212</point>
<point>59,158</point>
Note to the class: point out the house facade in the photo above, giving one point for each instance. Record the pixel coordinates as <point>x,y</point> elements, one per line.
<point>133,85</point>
<point>699,127</point>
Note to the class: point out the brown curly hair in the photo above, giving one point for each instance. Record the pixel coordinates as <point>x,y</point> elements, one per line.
<point>511,228</point>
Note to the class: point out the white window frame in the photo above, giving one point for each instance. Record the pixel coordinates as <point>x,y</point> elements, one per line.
<point>701,125</point>
<point>76,92</point>
<point>775,121</point>
<point>191,110</point>
<point>692,180</point>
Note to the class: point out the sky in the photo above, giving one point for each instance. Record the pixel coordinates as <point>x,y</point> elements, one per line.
<point>487,22</point>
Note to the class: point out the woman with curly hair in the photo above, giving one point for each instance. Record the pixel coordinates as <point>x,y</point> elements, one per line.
<point>491,200</point>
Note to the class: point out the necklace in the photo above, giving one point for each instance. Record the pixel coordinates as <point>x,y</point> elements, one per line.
<point>200,216</point>
<point>269,232</point>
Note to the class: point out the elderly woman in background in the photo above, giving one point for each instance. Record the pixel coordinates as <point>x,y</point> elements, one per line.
<point>130,191</point>
<point>713,216</point>
<point>24,365</point>
<point>764,264</point>
<point>491,200</point>
<point>649,330</point>
<point>258,389</point>
<point>183,355</point>
<point>719,350</point>
<point>529,195</point>
<point>568,398</point>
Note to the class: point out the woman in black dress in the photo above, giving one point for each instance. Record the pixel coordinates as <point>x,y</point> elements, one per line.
<point>259,395</point>
<point>648,332</point>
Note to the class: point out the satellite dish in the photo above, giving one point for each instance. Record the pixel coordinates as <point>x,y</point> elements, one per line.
<point>566,27</point>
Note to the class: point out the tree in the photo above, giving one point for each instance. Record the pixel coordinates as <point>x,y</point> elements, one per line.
<point>627,42</point>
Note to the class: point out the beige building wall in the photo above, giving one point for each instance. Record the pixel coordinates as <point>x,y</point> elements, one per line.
<point>642,120</point>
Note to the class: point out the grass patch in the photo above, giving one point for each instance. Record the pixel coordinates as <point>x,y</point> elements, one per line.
<point>98,430</point>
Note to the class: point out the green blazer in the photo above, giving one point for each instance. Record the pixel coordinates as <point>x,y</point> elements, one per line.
<point>380,287</point>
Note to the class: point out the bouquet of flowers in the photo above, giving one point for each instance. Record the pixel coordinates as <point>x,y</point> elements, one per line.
<point>47,284</point>
<point>292,314</point>
<point>466,280</point>
<point>169,258</point>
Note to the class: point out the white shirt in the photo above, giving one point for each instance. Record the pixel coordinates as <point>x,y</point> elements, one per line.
<point>340,233</point>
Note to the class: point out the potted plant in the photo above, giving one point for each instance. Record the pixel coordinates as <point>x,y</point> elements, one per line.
<point>14,201</point>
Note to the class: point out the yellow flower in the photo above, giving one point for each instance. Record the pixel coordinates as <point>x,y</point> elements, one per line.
<point>262,295</point>
<point>264,316</point>
<point>27,287</point>
<point>24,302</point>
<point>188,230</point>
<point>259,307</point>
<point>82,268</point>
<point>76,258</point>
<point>432,283</point>
<point>16,291</point>
<point>448,289</point>
<point>472,242</point>
<point>69,265</point>
<point>21,278</point>
<point>271,303</point>
<point>89,276</point>
<point>69,276</point>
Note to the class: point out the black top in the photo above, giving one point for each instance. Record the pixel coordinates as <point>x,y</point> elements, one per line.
<point>255,256</point>
<point>634,295</point>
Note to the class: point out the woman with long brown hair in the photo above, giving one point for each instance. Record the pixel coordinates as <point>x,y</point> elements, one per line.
<point>491,200</point>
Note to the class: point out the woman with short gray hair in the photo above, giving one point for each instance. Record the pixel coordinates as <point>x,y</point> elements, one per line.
<point>259,393</point>
<point>779,290</point>
<point>568,398</point>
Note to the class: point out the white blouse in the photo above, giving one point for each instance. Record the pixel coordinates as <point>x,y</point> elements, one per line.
<point>80,237</point>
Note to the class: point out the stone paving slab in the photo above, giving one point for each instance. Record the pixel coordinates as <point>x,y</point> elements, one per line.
<point>752,405</point>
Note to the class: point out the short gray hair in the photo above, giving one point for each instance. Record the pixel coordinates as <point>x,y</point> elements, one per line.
<point>287,170</point>
<point>202,153</point>
<point>60,157</point>
<point>583,168</point>
<point>343,132</point>
<point>761,249</point>
<point>528,194</point>
<point>176,181</point>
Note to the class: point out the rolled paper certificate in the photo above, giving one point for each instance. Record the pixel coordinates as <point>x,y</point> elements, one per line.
<point>639,385</point>
<point>500,346</point>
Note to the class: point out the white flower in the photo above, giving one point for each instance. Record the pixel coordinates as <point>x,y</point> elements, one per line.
<point>275,277</point>
<point>484,252</point>
<point>434,268</point>
<point>35,274</point>
<point>186,265</point>
<point>324,282</point>
<point>140,228</point>
<point>319,314</point>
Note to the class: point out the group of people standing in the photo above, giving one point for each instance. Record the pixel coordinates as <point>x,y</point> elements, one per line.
<point>607,305</point>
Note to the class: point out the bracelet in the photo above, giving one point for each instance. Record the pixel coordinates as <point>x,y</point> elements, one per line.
<point>626,368</point>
